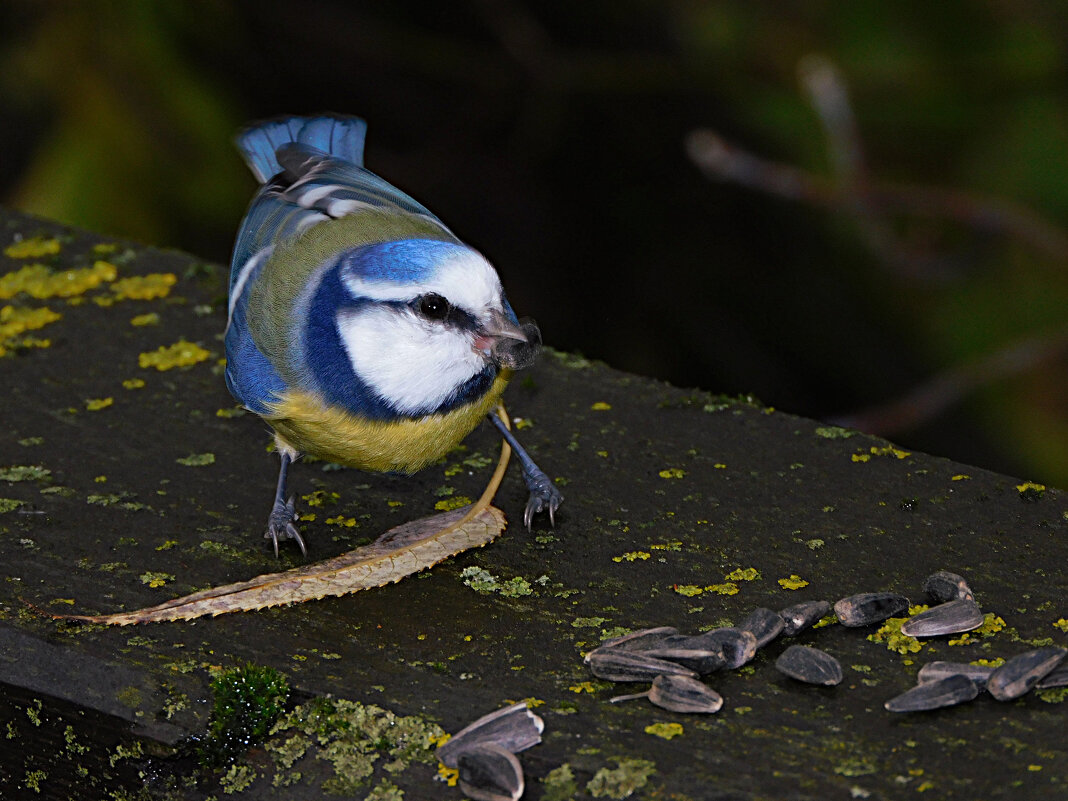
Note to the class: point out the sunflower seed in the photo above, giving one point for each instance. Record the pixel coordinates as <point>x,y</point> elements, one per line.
<point>765,625</point>
<point>641,639</point>
<point>800,616</point>
<point>682,694</point>
<point>1058,677</point>
<point>1022,672</point>
<point>616,665</point>
<point>869,607</point>
<point>810,665</point>
<point>514,728</point>
<point>933,671</point>
<point>700,660</point>
<point>951,690</point>
<point>736,645</point>
<point>945,586</point>
<point>489,772</point>
<point>951,617</point>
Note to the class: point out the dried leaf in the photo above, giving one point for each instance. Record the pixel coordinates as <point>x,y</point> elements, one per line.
<point>404,550</point>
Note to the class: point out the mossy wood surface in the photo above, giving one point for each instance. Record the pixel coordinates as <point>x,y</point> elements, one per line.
<point>139,484</point>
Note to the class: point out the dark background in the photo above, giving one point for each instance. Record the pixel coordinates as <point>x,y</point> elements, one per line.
<point>552,136</point>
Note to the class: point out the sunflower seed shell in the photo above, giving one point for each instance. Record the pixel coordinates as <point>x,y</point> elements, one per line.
<point>615,665</point>
<point>1058,677</point>
<point>641,639</point>
<point>738,646</point>
<point>682,694</point>
<point>810,665</point>
<point>765,625</point>
<point>801,616</point>
<point>951,617</point>
<point>935,671</point>
<point>1017,676</point>
<point>944,586</point>
<point>701,661</point>
<point>514,728</point>
<point>867,608</point>
<point>949,691</point>
<point>489,772</point>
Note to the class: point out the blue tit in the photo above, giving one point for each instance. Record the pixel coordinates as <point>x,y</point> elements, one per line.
<point>360,327</point>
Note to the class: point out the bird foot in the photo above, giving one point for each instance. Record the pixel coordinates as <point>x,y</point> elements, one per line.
<point>544,496</point>
<point>282,523</point>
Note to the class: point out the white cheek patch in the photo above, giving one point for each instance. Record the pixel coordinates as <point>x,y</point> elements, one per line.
<point>411,364</point>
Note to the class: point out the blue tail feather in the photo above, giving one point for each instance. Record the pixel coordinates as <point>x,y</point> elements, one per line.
<point>337,135</point>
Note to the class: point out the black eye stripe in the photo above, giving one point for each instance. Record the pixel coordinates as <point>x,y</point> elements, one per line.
<point>436,308</point>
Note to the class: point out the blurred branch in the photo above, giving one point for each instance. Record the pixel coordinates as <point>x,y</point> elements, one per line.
<point>928,400</point>
<point>868,201</point>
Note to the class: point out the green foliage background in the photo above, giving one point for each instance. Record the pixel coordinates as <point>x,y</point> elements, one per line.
<point>551,135</point>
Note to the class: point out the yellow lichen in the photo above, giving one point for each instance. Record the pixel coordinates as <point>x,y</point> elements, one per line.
<point>961,477</point>
<point>890,634</point>
<point>152,318</point>
<point>1062,624</point>
<point>689,590</point>
<point>632,556</point>
<point>341,520</point>
<point>153,579</point>
<point>743,574</point>
<point>40,282</point>
<point>448,775</point>
<point>455,502</point>
<point>14,320</point>
<point>96,404</point>
<point>180,354</point>
<point>144,287</point>
<point>601,406</point>
<point>582,687</point>
<point>1031,491</point>
<point>664,730</point>
<point>32,248</point>
<point>727,588</point>
<point>792,582</point>
<point>672,472</point>
<point>886,450</point>
<point>133,383</point>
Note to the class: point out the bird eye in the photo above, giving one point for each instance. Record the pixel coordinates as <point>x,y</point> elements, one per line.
<point>433,306</point>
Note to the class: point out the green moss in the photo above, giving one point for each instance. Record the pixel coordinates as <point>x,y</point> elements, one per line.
<point>834,432</point>
<point>25,472</point>
<point>197,459</point>
<point>247,702</point>
<point>237,779</point>
<point>356,740</point>
<point>559,784</point>
<point>622,781</point>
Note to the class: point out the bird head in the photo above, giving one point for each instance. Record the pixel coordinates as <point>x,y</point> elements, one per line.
<point>427,322</point>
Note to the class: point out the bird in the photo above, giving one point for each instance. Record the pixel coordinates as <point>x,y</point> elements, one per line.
<point>359,327</point>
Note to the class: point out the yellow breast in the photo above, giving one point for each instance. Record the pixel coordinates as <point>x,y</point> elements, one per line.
<point>305,423</point>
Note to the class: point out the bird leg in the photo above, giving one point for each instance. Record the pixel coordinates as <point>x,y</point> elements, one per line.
<point>283,517</point>
<point>543,493</point>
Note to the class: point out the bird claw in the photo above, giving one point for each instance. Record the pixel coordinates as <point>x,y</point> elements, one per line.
<point>544,496</point>
<point>282,522</point>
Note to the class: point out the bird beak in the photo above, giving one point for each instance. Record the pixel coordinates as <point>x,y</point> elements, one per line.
<point>508,344</point>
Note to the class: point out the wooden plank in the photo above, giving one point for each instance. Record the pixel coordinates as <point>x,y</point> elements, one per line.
<point>668,492</point>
